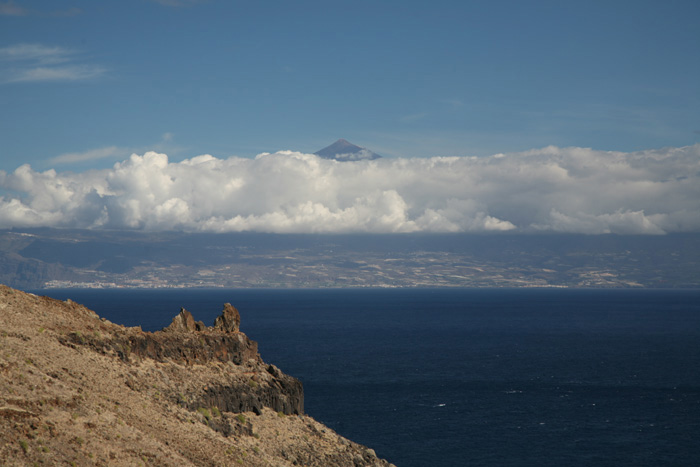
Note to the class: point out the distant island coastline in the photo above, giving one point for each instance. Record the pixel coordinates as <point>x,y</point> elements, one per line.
<point>63,258</point>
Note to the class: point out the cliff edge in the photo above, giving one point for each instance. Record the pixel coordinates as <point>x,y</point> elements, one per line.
<point>78,389</point>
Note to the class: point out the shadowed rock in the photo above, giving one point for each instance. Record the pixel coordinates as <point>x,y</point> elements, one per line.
<point>252,386</point>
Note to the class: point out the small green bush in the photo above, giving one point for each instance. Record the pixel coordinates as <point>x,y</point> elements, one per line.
<point>241,418</point>
<point>205,412</point>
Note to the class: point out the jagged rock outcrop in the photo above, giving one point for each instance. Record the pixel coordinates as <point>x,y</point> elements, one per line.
<point>189,342</point>
<point>77,389</point>
<point>229,321</point>
<point>184,322</point>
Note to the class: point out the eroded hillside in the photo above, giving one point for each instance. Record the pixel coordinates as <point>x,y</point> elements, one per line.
<point>77,389</point>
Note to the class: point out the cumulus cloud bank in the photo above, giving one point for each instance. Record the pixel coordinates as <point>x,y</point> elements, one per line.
<point>552,189</point>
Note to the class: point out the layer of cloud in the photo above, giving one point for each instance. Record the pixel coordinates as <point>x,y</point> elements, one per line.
<point>113,152</point>
<point>89,155</point>
<point>37,62</point>
<point>544,190</point>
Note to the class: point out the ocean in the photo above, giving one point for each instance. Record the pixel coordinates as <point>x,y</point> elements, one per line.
<point>477,377</point>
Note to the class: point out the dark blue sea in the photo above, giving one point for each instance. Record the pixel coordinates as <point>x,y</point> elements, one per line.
<point>479,377</point>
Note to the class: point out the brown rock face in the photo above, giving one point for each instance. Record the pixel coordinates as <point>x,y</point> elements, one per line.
<point>184,322</point>
<point>229,321</point>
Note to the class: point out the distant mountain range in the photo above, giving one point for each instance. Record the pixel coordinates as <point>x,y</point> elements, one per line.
<point>343,150</point>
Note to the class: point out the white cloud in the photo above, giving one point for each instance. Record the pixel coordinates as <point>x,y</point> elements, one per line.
<point>112,152</point>
<point>543,190</point>
<point>62,73</point>
<point>37,62</point>
<point>90,155</point>
<point>36,53</point>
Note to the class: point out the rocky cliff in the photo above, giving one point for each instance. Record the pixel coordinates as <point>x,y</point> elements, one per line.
<point>78,389</point>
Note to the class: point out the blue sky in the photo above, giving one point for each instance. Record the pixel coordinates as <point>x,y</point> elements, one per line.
<point>99,80</point>
<point>567,116</point>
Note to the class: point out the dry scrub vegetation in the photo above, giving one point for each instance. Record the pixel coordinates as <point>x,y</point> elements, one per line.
<point>68,398</point>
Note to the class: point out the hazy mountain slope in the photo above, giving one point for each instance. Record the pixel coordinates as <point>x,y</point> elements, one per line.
<point>38,258</point>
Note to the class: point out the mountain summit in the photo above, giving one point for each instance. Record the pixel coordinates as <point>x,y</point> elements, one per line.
<point>343,150</point>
